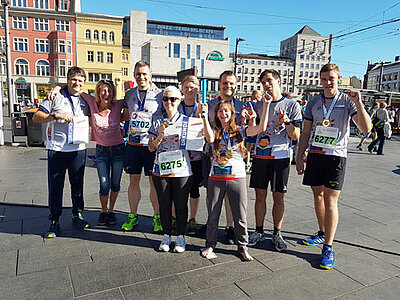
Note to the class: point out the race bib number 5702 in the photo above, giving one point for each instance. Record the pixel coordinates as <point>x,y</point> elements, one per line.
<point>170,162</point>
<point>140,121</point>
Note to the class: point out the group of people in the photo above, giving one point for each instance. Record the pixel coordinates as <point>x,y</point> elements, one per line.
<point>156,143</point>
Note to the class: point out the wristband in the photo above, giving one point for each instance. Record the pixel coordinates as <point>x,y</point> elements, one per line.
<point>287,123</point>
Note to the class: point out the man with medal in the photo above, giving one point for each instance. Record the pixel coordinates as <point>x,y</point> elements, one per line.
<point>227,84</point>
<point>67,135</point>
<point>143,102</point>
<point>271,157</point>
<point>326,132</point>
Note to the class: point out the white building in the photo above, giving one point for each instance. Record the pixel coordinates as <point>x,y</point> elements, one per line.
<point>172,47</point>
<point>310,51</point>
<point>390,80</point>
<point>250,66</point>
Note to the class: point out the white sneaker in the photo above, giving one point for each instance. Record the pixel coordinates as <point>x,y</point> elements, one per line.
<point>180,244</point>
<point>164,246</point>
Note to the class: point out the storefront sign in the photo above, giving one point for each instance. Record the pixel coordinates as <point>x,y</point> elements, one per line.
<point>215,55</point>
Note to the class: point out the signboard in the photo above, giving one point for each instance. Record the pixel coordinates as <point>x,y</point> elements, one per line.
<point>215,55</point>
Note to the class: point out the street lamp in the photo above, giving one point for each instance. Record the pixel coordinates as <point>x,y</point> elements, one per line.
<point>236,52</point>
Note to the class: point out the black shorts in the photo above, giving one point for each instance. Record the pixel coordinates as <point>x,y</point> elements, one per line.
<point>138,157</point>
<point>197,178</point>
<point>274,171</point>
<point>326,170</point>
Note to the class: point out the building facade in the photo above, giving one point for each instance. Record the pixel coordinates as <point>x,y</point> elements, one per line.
<point>172,47</point>
<point>99,50</point>
<point>42,42</point>
<point>383,76</point>
<point>310,51</point>
<point>250,66</point>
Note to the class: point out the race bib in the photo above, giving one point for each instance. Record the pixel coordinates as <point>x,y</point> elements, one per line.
<point>78,130</point>
<point>170,162</point>
<point>325,137</point>
<point>140,121</point>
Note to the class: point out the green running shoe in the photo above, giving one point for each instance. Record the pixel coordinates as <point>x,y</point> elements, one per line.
<point>79,221</point>
<point>157,228</point>
<point>132,221</point>
<point>53,230</point>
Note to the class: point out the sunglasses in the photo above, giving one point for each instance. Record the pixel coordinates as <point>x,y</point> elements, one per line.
<point>172,99</point>
<point>109,82</point>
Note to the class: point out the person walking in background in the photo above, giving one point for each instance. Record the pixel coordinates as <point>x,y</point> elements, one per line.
<point>381,118</point>
<point>372,133</point>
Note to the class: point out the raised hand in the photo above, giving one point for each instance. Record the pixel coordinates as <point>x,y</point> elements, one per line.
<point>53,93</point>
<point>267,98</point>
<point>204,110</point>
<point>161,130</point>
<point>354,96</point>
<point>283,118</point>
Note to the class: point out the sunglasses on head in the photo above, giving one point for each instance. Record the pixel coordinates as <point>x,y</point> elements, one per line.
<point>172,99</point>
<point>107,81</point>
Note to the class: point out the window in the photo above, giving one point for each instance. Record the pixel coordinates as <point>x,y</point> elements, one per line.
<point>20,3</point>
<point>188,51</point>
<point>240,70</point>
<point>125,57</point>
<point>169,49</point>
<point>311,74</point>
<point>42,68</point>
<point>21,44</point>
<point>125,71</point>
<point>111,36</point>
<point>20,22</point>
<point>95,35</point>
<point>246,61</point>
<point>272,63</point>
<point>259,62</point>
<point>307,57</point>
<point>313,58</point>
<point>100,57</point>
<point>103,35</point>
<point>64,4</point>
<point>307,66</point>
<point>253,70</point>
<point>302,57</point>
<point>42,4</point>
<point>306,73</point>
<point>2,42</point>
<point>246,70</point>
<point>41,24</point>
<point>90,57</point>
<point>177,50</point>
<point>192,63</point>
<point>265,63</point>
<point>62,25</point>
<point>312,66</point>
<point>93,77</point>
<point>41,46</point>
<point>202,68</point>
<point>183,63</point>
<point>322,58</point>
<point>59,67</point>
<point>21,67</point>
<point>145,58</point>
<point>278,63</point>
<point>302,65</point>
<point>87,34</point>
<point>301,73</point>
<point>110,57</point>
<point>252,62</point>
<point>61,46</point>
<point>317,66</point>
<point>3,66</point>
<point>198,48</point>
<point>2,22</point>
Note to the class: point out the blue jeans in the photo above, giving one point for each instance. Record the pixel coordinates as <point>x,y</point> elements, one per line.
<point>109,163</point>
<point>57,165</point>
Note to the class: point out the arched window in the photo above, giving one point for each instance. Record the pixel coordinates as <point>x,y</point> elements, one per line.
<point>42,68</point>
<point>103,36</point>
<point>21,67</point>
<point>95,35</point>
<point>87,34</point>
<point>111,36</point>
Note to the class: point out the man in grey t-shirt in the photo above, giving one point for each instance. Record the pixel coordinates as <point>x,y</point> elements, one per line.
<point>67,135</point>
<point>326,131</point>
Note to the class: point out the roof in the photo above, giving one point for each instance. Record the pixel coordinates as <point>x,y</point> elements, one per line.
<point>187,25</point>
<point>307,30</point>
<point>260,56</point>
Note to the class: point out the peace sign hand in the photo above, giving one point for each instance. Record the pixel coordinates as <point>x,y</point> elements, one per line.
<point>283,118</point>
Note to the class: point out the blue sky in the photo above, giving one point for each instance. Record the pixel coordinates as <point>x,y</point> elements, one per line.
<point>263,24</point>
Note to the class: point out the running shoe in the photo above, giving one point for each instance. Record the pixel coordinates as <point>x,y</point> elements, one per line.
<point>279,243</point>
<point>157,228</point>
<point>359,147</point>
<point>230,235</point>
<point>102,220</point>
<point>53,230</point>
<point>192,226</point>
<point>111,218</point>
<point>79,221</point>
<point>202,232</point>
<point>328,258</point>
<point>255,238</point>
<point>180,244</point>
<point>132,221</point>
<point>164,246</point>
<point>314,240</point>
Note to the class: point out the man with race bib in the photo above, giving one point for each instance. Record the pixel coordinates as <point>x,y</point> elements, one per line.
<point>326,131</point>
<point>144,102</point>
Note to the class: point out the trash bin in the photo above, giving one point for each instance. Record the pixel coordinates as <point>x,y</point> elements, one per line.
<point>36,131</point>
<point>19,127</point>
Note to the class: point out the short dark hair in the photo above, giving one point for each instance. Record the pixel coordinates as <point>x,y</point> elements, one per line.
<point>329,67</point>
<point>275,74</point>
<point>226,73</point>
<point>73,71</point>
<point>140,64</point>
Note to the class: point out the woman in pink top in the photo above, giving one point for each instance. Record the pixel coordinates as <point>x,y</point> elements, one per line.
<point>106,115</point>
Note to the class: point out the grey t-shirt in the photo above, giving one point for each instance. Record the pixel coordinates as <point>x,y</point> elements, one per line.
<point>274,142</point>
<point>57,131</point>
<point>343,110</point>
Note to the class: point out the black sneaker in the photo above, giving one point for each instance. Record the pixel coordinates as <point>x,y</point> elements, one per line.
<point>230,235</point>
<point>111,218</point>
<point>279,243</point>
<point>102,220</point>
<point>202,232</point>
<point>53,230</point>
<point>79,221</point>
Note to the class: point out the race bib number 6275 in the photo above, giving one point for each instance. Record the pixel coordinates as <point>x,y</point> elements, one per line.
<point>170,162</point>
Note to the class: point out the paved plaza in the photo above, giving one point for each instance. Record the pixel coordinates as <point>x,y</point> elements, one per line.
<point>106,263</point>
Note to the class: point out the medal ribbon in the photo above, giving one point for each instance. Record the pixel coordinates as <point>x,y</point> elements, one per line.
<point>140,102</point>
<point>184,109</point>
<point>227,140</point>
<point>327,114</point>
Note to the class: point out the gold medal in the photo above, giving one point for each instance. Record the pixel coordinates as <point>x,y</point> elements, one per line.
<point>326,123</point>
<point>229,154</point>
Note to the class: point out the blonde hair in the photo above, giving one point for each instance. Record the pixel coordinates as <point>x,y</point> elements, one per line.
<point>99,85</point>
<point>191,78</point>
<point>174,90</point>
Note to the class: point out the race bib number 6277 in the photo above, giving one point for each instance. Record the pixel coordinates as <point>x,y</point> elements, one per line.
<point>325,137</point>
